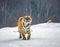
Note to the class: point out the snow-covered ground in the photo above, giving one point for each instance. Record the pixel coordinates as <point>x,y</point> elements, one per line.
<point>43,35</point>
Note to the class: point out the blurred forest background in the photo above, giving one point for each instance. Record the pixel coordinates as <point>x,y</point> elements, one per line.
<point>40,11</point>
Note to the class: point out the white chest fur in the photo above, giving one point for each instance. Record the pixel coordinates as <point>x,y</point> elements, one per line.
<point>26,26</point>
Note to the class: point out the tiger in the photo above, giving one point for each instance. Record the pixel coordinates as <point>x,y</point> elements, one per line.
<point>24,27</point>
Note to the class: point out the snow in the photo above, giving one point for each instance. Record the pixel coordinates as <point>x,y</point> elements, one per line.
<point>43,35</point>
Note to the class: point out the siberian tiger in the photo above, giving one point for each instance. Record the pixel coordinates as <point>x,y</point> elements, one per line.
<point>24,27</point>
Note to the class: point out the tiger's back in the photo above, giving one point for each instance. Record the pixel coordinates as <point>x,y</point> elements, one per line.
<point>20,23</point>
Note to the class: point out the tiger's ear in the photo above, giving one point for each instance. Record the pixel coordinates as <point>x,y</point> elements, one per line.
<point>29,16</point>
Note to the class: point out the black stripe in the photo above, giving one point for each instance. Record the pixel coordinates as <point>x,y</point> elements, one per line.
<point>27,25</point>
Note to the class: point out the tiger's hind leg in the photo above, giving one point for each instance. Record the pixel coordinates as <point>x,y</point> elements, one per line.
<point>20,36</point>
<point>23,35</point>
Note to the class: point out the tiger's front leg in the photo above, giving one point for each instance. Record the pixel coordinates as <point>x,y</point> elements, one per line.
<point>29,35</point>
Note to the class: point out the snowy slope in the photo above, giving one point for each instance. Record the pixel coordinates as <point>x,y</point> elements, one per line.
<point>43,35</point>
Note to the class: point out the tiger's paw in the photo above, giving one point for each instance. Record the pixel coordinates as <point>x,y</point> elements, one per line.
<point>24,38</point>
<point>28,38</point>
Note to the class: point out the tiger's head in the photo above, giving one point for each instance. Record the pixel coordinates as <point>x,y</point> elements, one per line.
<point>27,19</point>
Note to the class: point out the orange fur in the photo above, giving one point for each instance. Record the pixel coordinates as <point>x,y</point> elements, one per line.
<point>20,23</point>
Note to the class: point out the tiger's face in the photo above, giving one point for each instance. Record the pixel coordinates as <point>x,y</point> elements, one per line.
<point>27,19</point>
